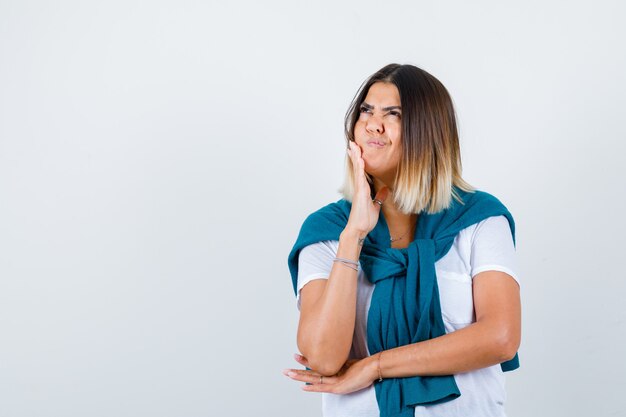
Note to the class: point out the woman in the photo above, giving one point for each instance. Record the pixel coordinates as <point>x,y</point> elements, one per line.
<point>409,302</point>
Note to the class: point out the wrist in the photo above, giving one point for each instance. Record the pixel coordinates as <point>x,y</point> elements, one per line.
<point>350,234</point>
<point>372,367</point>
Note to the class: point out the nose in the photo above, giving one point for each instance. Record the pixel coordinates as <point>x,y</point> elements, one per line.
<point>374,125</point>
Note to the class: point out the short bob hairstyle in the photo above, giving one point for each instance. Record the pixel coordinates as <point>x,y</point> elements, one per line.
<point>430,164</point>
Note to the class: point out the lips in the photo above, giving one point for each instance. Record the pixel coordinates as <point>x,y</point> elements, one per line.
<point>376,143</point>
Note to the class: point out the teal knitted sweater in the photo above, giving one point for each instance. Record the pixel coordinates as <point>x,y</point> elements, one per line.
<point>405,306</point>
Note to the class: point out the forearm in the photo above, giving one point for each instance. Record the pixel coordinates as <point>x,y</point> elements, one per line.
<point>325,332</point>
<point>477,346</point>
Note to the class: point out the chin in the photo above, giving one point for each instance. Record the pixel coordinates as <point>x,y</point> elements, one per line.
<point>372,169</point>
<point>381,175</point>
<point>372,172</point>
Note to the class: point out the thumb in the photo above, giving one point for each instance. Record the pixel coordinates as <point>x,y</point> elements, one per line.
<point>382,195</point>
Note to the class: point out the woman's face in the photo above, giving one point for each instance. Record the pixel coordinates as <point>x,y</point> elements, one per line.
<point>379,131</point>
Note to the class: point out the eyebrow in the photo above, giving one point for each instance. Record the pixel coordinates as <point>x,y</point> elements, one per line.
<point>370,107</point>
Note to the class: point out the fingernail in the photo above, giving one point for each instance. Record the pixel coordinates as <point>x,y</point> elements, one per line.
<point>295,355</point>
<point>286,372</point>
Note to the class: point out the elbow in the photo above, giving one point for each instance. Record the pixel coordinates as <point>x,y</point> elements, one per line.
<point>325,367</point>
<point>507,342</point>
<point>322,361</point>
<point>508,351</point>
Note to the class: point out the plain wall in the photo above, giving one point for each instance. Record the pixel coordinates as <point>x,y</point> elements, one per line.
<point>158,158</point>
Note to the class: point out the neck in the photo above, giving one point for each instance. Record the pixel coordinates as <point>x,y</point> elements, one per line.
<point>399,223</point>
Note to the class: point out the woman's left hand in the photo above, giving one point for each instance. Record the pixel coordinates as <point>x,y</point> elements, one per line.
<point>355,375</point>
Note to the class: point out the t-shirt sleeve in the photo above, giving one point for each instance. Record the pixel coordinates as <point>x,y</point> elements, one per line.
<point>493,248</point>
<point>314,262</point>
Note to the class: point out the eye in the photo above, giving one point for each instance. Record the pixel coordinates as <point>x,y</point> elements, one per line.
<point>364,109</point>
<point>396,114</point>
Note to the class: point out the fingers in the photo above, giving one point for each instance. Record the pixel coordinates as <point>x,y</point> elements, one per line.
<point>382,195</point>
<point>361,185</point>
<point>310,377</point>
<point>301,359</point>
<point>319,388</point>
<point>380,198</point>
<point>358,165</point>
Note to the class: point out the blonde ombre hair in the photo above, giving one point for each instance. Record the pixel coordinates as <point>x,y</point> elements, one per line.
<point>430,165</point>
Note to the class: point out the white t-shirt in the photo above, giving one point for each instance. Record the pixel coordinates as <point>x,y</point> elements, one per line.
<point>484,246</point>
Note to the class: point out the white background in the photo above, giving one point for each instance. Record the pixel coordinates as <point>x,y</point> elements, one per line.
<point>158,157</point>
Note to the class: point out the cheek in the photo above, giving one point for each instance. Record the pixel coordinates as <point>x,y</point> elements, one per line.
<point>360,138</point>
<point>359,128</point>
<point>397,153</point>
<point>397,139</point>
<point>397,156</point>
<point>395,132</point>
